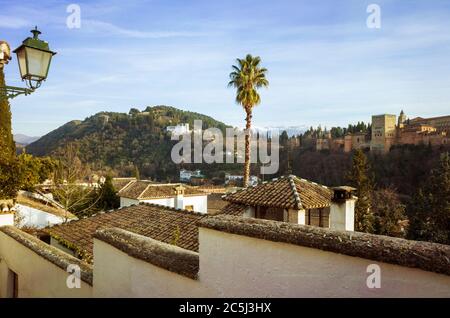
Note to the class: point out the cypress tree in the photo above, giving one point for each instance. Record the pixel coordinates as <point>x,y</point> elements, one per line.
<point>359,177</point>
<point>108,196</point>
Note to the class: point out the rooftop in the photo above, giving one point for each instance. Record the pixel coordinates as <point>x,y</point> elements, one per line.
<point>120,183</point>
<point>286,192</point>
<point>143,189</point>
<point>168,225</point>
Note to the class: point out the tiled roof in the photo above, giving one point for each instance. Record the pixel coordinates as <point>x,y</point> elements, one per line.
<point>232,209</point>
<point>216,203</point>
<point>141,190</point>
<point>120,183</point>
<point>168,225</point>
<point>286,192</point>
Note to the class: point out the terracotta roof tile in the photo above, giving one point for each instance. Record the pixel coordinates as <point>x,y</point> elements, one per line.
<point>120,183</point>
<point>232,209</point>
<point>157,222</point>
<point>142,189</point>
<point>286,192</point>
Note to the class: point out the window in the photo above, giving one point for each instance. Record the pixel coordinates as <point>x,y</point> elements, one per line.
<point>318,217</point>
<point>189,207</point>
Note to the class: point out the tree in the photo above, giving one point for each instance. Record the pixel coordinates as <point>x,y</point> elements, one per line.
<point>137,174</point>
<point>359,177</point>
<point>429,210</point>
<point>7,145</point>
<point>10,179</point>
<point>9,167</point>
<point>68,189</point>
<point>247,77</point>
<point>34,170</point>
<point>388,213</point>
<point>108,196</point>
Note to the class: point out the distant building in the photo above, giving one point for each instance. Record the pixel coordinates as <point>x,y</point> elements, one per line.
<point>237,180</point>
<point>442,123</point>
<point>173,195</point>
<point>387,131</point>
<point>383,132</point>
<point>359,140</point>
<point>179,129</point>
<point>186,175</point>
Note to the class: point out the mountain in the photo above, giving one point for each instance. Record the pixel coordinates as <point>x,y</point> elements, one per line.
<point>120,142</point>
<point>24,139</point>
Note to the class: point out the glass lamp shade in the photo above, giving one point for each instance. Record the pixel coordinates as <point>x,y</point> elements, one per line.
<point>33,63</point>
<point>34,57</point>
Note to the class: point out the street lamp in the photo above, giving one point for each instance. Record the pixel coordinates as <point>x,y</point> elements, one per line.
<point>34,57</point>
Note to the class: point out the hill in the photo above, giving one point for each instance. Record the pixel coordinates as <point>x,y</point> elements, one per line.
<point>24,139</point>
<point>119,142</point>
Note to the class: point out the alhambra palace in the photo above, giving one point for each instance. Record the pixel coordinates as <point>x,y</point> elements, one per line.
<point>387,131</point>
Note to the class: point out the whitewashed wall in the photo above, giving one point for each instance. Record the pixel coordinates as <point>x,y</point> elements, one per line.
<point>170,202</point>
<point>37,276</point>
<point>116,274</point>
<point>251,267</point>
<point>36,218</point>
<point>230,266</point>
<point>6,219</point>
<point>200,203</point>
<point>124,202</point>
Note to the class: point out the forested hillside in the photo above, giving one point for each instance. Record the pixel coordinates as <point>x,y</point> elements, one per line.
<point>117,143</point>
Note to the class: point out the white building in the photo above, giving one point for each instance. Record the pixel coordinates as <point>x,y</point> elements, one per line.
<point>173,195</point>
<point>186,175</point>
<point>179,129</point>
<point>33,213</point>
<point>252,180</point>
<point>295,200</point>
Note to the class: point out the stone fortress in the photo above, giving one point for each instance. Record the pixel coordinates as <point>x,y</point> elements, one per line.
<point>387,131</point>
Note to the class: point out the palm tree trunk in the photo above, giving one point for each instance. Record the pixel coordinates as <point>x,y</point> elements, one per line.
<point>248,125</point>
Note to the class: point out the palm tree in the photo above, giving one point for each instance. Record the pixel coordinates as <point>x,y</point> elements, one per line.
<point>247,77</point>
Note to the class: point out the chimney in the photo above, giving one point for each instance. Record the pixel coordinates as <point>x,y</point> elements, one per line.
<point>342,210</point>
<point>179,195</point>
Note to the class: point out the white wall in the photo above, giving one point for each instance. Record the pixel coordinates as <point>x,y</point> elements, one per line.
<point>118,275</point>
<point>170,202</point>
<point>240,266</point>
<point>342,215</point>
<point>301,217</point>
<point>200,203</point>
<point>37,276</point>
<point>230,266</point>
<point>124,202</point>
<point>36,218</point>
<point>6,219</point>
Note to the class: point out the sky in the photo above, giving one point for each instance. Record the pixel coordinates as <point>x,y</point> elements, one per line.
<point>326,66</point>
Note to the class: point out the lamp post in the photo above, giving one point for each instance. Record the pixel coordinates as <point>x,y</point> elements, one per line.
<point>34,57</point>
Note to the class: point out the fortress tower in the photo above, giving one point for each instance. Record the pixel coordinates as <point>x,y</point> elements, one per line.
<point>401,119</point>
<point>383,132</point>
